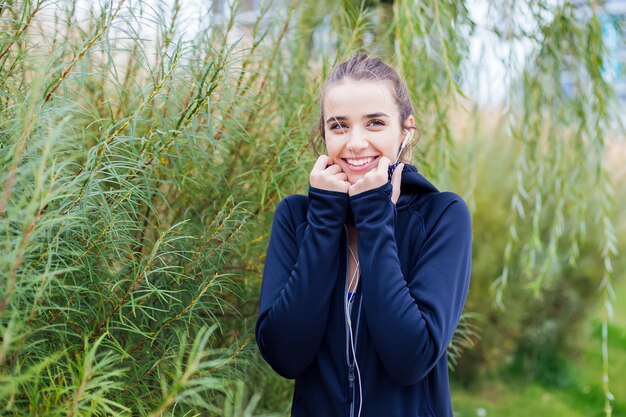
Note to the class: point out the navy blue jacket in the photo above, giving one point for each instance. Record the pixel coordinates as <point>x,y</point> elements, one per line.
<point>415,260</point>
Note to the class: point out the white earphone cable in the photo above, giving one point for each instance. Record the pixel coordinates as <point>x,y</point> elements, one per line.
<point>348,300</point>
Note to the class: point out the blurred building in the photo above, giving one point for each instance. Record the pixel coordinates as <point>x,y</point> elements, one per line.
<point>612,14</point>
<point>613,29</point>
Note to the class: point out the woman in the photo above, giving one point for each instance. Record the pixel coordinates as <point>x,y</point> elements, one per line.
<point>365,279</point>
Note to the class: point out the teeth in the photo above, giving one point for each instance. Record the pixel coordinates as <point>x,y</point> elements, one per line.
<point>359,162</point>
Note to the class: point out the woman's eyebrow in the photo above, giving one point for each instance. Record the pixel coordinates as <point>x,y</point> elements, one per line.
<point>367,116</point>
<point>374,115</point>
<point>336,119</point>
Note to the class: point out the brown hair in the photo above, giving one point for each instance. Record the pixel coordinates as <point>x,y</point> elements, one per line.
<point>363,67</point>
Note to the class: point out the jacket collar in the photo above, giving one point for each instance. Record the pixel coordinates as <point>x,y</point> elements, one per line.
<point>414,186</point>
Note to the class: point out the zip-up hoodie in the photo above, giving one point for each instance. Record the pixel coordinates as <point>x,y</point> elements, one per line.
<point>415,259</point>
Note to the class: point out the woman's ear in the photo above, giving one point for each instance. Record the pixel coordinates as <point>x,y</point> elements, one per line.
<point>409,132</point>
<point>409,123</point>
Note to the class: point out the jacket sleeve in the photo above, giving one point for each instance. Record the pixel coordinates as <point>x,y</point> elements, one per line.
<point>298,279</point>
<point>412,319</point>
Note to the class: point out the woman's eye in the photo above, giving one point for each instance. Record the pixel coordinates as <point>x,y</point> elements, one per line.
<point>377,123</point>
<point>338,126</point>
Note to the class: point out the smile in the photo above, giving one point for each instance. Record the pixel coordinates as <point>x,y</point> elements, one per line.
<point>359,162</point>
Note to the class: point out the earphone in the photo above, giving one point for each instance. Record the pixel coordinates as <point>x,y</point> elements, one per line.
<point>351,339</point>
<point>403,145</point>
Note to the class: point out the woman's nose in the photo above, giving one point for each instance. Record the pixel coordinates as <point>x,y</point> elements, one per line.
<point>357,140</point>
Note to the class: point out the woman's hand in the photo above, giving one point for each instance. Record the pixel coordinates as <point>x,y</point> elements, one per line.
<point>328,177</point>
<point>396,179</point>
<point>378,177</point>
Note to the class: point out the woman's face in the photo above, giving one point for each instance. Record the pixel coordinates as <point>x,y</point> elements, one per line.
<point>361,124</point>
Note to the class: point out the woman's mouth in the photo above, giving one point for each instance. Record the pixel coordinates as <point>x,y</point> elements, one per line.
<point>360,164</point>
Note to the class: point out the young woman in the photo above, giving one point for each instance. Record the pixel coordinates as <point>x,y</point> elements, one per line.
<point>365,279</point>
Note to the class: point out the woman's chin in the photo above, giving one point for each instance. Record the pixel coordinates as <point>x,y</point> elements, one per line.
<point>354,178</point>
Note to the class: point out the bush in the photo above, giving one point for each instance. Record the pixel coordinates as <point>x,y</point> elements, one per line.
<point>140,169</point>
<point>537,329</point>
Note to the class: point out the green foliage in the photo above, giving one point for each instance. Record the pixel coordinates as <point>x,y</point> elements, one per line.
<point>139,170</point>
<point>580,394</point>
<point>538,331</point>
<point>119,232</point>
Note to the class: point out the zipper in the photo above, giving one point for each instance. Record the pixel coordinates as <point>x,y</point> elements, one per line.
<point>358,384</point>
<point>349,364</point>
<point>352,382</point>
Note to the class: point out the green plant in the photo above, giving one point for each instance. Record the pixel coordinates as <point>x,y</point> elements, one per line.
<point>139,169</point>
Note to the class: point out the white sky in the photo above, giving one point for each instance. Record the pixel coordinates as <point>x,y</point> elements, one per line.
<point>492,62</point>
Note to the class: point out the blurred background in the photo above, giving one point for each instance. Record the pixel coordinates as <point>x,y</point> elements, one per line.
<point>145,144</point>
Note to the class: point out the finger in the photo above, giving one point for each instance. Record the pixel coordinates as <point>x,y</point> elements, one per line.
<point>333,169</point>
<point>355,188</point>
<point>396,180</point>
<point>341,176</point>
<point>321,163</point>
<point>396,177</point>
<point>383,165</point>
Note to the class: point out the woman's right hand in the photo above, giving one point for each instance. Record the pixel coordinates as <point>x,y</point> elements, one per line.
<point>328,177</point>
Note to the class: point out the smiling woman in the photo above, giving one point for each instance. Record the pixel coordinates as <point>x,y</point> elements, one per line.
<point>365,280</point>
<point>361,125</point>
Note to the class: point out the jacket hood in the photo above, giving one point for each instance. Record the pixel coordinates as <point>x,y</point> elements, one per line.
<point>414,186</point>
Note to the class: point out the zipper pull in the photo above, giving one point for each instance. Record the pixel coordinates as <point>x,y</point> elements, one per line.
<point>351,382</point>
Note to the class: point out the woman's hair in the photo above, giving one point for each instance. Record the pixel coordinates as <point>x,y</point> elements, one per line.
<point>363,67</point>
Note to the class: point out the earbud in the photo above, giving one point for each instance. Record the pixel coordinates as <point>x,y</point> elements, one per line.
<point>393,166</point>
<point>403,145</point>
<point>405,141</point>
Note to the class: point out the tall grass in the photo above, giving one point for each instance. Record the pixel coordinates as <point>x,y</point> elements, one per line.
<point>143,147</point>
<point>121,237</point>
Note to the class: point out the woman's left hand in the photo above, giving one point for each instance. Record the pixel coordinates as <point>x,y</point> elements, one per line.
<point>378,177</point>
<point>396,179</point>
